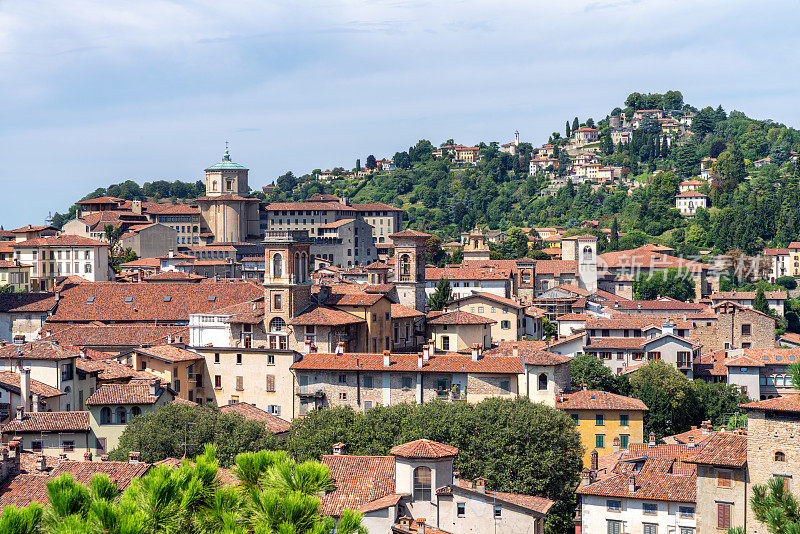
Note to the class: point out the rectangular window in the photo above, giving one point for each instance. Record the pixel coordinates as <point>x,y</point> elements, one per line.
<point>270,383</point>
<point>368,382</point>
<point>177,386</point>
<point>36,446</point>
<point>216,357</point>
<point>270,359</point>
<point>623,419</point>
<point>745,329</point>
<point>218,381</point>
<point>614,506</point>
<point>498,512</point>
<point>238,359</point>
<point>599,441</point>
<point>614,527</point>
<point>406,382</point>
<point>686,512</point>
<point>239,383</point>
<point>623,441</point>
<point>505,385</point>
<point>724,515</point>
<point>461,509</point>
<point>687,530</point>
<point>649,508</point>
<point>723,479</point>
<point>66,371</point>
<point>649,528</point>
<point>445,342</point>
<point>68,445</point>
<point>276,301</point>
<point>343,396</point>
<point>343,379</point>
<point>599,420</point>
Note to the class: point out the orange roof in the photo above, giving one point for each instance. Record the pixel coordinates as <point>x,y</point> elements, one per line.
<point>598,400</point>
<point>35,422</point>
<point>273,423</point>
<point>424,449</point>
<point>402,362</point>
<point>63,240</point>
<point>403,312</point>
<point>170,353</point>
<point>321,315</point>
<point>359,480</point>
<point>784,403</point>
<point>457,317</point>
<point>131,393</point>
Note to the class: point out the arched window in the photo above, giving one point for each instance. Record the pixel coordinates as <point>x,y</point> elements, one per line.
<point>136,411</point>
<point>105,415</point>
<point>422,484</point>
<point>543,382</point>
<point>277,266</point>
<point>277,325</point>
<point>296,267</point>
<point>214,185</point>
<point>587,253</point>
<point>780,457</point>
<point>303,268</point>
<point>405,268</point>
<point>122,416</point>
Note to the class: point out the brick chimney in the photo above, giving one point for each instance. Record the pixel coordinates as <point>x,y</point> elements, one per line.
<point>340,347</point>
<point>338,448</point>
<point>87,456</point>
<point>594,457</point>
<point>134,457</point>
<point>480,484</point>
<point>41,463</point>
<point>425,355</point>
<point>419,360</point>
<point>475,352</point>
<point>631,484</point>
<point>617,443</point>
<point>652,440</point>
<point>387,358</point>
<point>690,444</point>
<point>421,525</point>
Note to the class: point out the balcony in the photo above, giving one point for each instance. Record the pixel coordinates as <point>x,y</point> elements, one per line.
<point>310,391</point>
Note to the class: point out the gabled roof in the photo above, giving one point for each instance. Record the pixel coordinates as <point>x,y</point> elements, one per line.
<point>407,233</point>
<point>532,352</point>
<point>404,312</point>
<point>424,449</point>
<point>458,318</point>
<point>62,240</point>
<point>359,480</point>
<point>49,422</point>
<point>540,505</point>
<point>10,381</point>
<point>36,350</point>
<point>273,423</point>
<point>26,302</point>
<point>320,315</point>
<point>598,400</point>
<point>131,393</point>
<point>123,335</point>
<point>170,353</point>
<point>403,362</point>
<point>433,274</point>
<point>492,297</point>
<point>724,449</point>
<point>784,403</point>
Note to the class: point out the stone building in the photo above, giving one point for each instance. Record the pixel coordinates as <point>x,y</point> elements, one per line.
<point>226,211</point>
<point>409,267</point>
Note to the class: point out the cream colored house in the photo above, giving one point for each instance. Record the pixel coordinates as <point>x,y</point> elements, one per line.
<point>459,330</point>
<point>52,433</point>
<point>508,315</point>
<point>63,255</point>
<point>177,365</point>
<point>15,274</point>
<point>689,201</point>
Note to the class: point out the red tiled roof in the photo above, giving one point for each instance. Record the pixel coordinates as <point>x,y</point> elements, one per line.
<point>359,480</point>
<point>403,312</point>
<point>572,317</point>
<point>142,262</point>
<point>457,317</point>
<point>50,422</point>
<point>165,302</point>
<point>726,449</point>
<point>494,298</point>
<point>324,316</point>
<point>89,335</point>
<point>336,224</point>
<point>598,400</point>
<point>173,275</point>
<point>123,394</point>
<point>691,194</point>
<point>248,411</point>
<point>102,200</point>
<point>410,233</point>
<point>636,321</point>
<point>533,352</point>
<point>170,353</point>
<point>63,240</point>
<point>556,267</point>
<point>698,436</point>
<point>616,343</point>
<point>26,302</point>
<point>244,313</point>
<point>433,274</point>
<point>109,369</point>
<point>36,350</point>
<point>747,295</point>
<point>642,258</point>
<point>401,362</point>
<point>379,504</point>
<point>10,380</point>
<point>661,305</point>
<point>784,403</point>
<point>424,449</point>
<point>227,196</point>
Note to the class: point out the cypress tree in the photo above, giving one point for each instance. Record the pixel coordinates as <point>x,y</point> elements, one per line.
<point>613,239</point>
<point>568,131</point>
<point>575,124</point>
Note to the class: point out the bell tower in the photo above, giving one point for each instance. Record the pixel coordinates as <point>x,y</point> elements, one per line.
<point>287,280</point>
<point>409,267</point>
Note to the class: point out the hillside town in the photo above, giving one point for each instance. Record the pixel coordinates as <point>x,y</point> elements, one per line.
<point>276,310</point>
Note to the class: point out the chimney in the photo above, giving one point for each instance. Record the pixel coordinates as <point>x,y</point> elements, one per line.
<point>421,525</point>
<point>587,477</point>
<point>62,457</point>
<point>480,484</point>
<point>35,402</point>
<point>706,426</point>
<point>312,349</point>
<point>171,253</point>
<point>87,456</point>
<point>307,347</point>
<point>617,443</point>
<point>134,457</point>
<point>457,477</point>
<point>41,463</point>
<point>690,444</point>
<point>405,521</point>
<point>475,352</point>
<point>104,458</point>
<point>419,360</point>
<point>722,428</point>
<point>340,347</point>
<point>338,448</point>
<point>594,459</point>
<point>20,412</point>
<point>668,327</point>
<point>631,484</point>
<point>652,441</point>
<point>153,387</point>
<point>387,359</point>
<point>24,387</point>
<point>431,347</point>
<point>425,355</point>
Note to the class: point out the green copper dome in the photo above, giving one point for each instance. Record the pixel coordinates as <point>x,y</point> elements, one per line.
<point>226,164</point>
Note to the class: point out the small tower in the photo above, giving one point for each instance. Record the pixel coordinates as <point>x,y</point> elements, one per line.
<point>409,267</point>
<point>477,246</point>
<point>377,273</point>
<point>583,250</point>
<point>287,281</point>
<point>516,138</point>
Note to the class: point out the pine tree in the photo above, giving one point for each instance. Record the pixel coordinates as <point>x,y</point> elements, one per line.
<point>613,239</point>
<point>441,296</point>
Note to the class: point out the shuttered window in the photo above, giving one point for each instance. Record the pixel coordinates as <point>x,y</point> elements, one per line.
<point>723,515</point>
<point>271,383</point>
<point>614,527</point>
<point>239,383</point>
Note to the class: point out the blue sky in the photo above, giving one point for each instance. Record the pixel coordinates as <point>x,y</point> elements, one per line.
<point>96,92</point>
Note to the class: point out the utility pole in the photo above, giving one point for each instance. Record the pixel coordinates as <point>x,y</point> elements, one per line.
<point>186,443</point>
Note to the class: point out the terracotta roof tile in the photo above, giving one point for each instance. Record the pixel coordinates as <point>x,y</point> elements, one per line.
<point>727,449</point>
<point>359,480</point>
<point>424,449</point>
<point>122,335</point>
<point>598,400</point>
<point>63,240</point>
<point>784,403</point>
<point>533,352</point>
<point>248,411</point>
<point>26,302</point>
<point>10,380</point>
<point>433,274</point>
<point>50,422</point>
<point>123,394</point>
<point>316,315</point>
<point>379,504</point>
<point>37,350</point>
<point>457,317</point>
<point>556,267</point>
<point>403,312</point>
<point>110,369</point>
<point>494,298</point>
<point>402,362</point>
<point>170,353</point>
